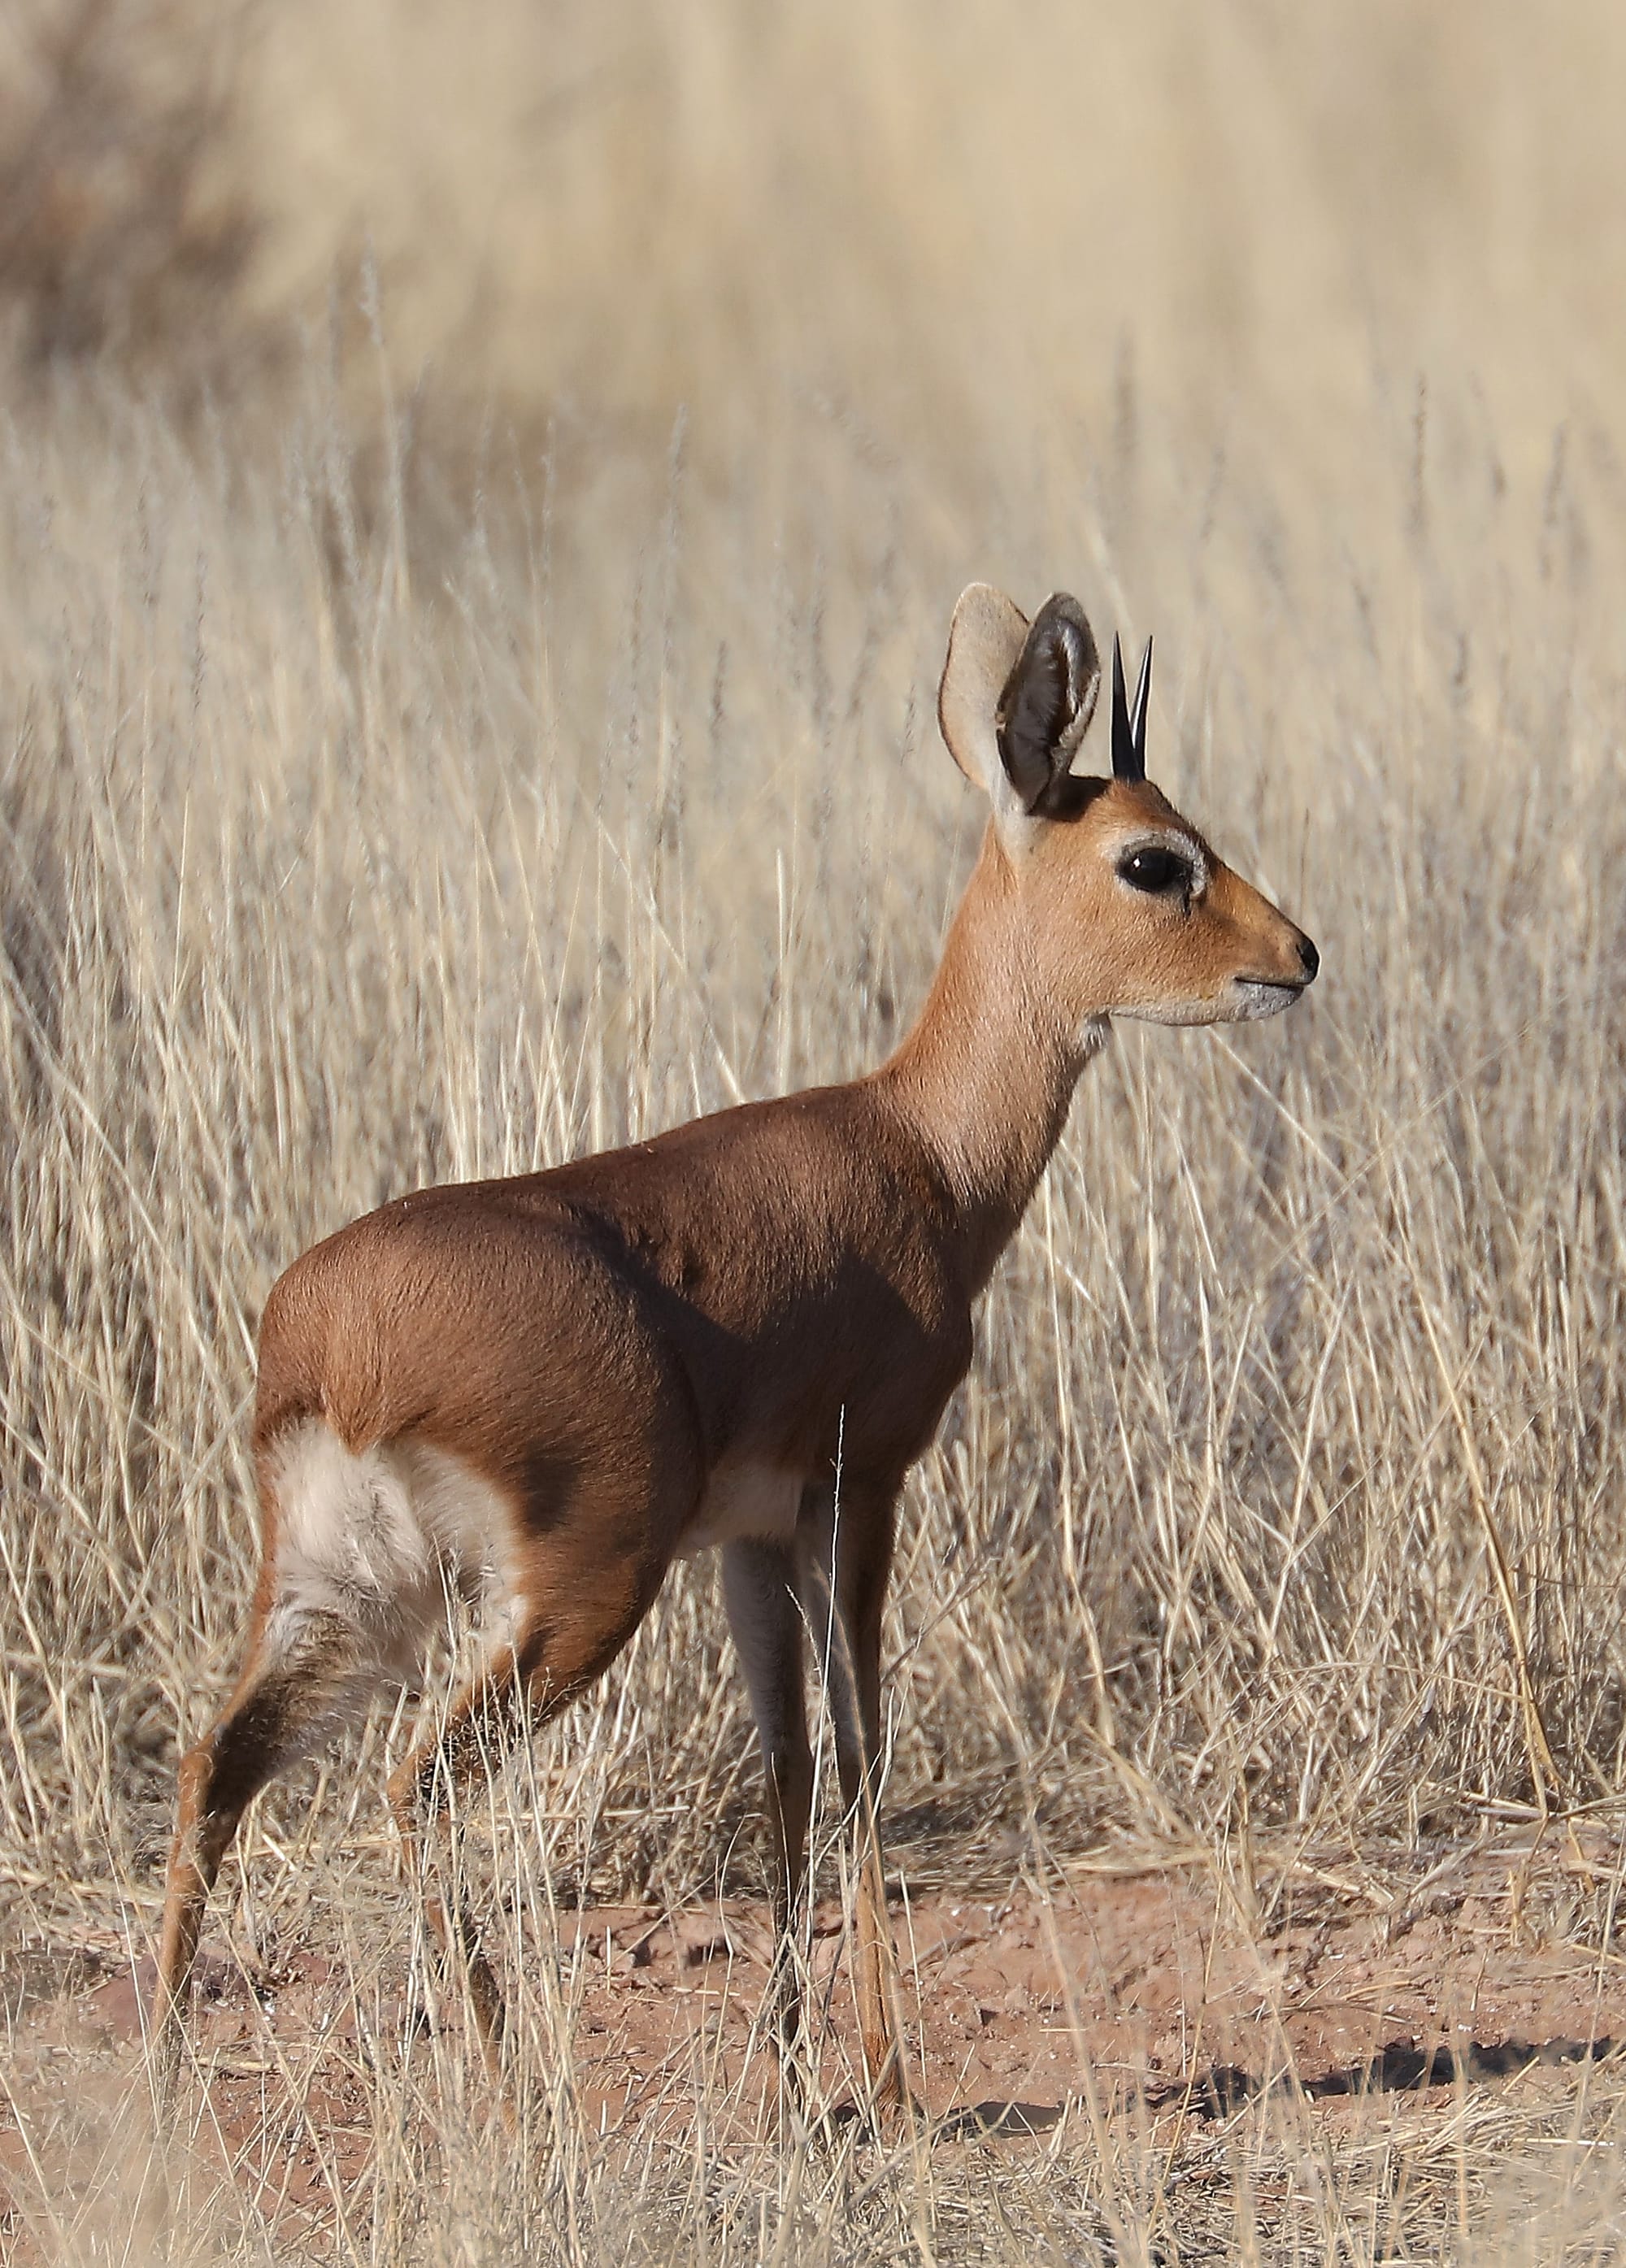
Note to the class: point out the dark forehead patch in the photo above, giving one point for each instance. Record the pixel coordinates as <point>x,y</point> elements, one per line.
<point>1069,797</point>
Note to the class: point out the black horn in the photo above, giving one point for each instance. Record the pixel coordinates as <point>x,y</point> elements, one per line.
<point>1137,715</point>
<point>1129,729</point>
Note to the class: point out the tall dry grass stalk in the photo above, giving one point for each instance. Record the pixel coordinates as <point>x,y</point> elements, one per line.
<point>385,797</point>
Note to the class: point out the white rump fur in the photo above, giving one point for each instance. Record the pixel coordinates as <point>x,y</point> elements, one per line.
<point>375,1538</point>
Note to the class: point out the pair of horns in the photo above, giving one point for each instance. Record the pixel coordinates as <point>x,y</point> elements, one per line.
<point>1129,726</point>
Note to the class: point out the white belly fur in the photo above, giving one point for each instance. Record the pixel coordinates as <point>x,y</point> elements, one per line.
<point>741,1500</point>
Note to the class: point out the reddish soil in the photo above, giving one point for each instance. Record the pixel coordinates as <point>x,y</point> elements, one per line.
<point>1158,1986</point>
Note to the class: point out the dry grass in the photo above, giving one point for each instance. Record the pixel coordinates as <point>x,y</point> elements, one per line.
<point>387,795</point>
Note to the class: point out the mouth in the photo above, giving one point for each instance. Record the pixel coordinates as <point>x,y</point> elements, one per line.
<point>1255,998</point>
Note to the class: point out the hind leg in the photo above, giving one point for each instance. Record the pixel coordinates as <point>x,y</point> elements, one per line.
<point>303,1676</point>
<point>485,1723</point>
<point>550,1662</point>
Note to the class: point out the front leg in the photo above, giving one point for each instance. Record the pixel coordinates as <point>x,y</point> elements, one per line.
<point>846,1539</point>
<point>765,1616</point>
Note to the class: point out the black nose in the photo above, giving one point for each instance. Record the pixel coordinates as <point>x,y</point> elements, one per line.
<point>1310,959</point>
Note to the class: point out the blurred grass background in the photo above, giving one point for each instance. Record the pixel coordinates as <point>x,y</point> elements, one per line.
<point>483,492</point>
<point>944,222</point>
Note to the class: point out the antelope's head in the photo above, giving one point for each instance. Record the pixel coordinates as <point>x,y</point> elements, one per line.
<point>1128,911</point>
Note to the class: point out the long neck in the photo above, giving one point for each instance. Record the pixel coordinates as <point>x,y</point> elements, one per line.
<point>984,1077</point>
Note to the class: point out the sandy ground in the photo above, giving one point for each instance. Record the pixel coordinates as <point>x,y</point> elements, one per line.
<point>1180,1988</point>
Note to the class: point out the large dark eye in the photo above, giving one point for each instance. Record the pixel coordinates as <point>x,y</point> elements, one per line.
<point>1155,871</point>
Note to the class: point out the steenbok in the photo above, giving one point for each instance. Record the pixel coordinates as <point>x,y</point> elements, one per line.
<point>740,1335</point>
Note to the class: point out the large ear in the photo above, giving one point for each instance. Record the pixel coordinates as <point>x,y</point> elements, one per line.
<point>985,641</point>
<point>1047,703</point>
<point>1016,700</point>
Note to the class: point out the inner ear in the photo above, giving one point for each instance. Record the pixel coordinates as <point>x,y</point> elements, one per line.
<point>1047,702</point>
